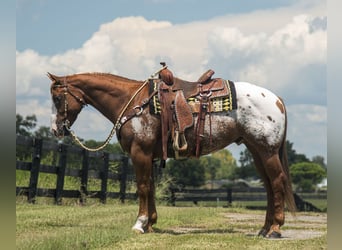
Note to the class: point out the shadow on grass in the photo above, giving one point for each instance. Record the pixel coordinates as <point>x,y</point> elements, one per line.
<point>187,230</point>
<point>231,231</point>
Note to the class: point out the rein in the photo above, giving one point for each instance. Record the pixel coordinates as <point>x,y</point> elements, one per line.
<point>118,120</point>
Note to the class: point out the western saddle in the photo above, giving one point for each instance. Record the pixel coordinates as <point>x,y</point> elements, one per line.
<point>177,114</point>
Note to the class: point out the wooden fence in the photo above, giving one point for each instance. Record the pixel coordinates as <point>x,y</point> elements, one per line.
<point>229,195</point>
<point>61,170</point>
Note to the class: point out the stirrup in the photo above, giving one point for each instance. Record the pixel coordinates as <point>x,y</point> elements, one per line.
<point>183,142</point>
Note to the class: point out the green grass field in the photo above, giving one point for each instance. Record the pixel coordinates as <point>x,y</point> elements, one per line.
<point>187,226</point>
<point>98,226</point>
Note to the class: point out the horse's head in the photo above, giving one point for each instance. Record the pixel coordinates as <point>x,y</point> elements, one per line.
<point>67,103</point>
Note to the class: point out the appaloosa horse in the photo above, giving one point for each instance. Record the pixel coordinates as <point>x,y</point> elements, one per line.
<point>259,122</point>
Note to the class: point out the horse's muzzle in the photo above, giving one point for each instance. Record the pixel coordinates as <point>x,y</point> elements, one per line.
<point>66,131</point>
<point>61,132</point>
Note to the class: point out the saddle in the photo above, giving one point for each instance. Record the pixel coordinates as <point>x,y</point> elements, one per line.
<point>177,114</point>
<point>205,84</point>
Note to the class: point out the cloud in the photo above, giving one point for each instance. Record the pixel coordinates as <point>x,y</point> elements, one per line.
<point>307,128</point>
<point>133,46</point>
<point>90,124</point>
<point>283,50</point>
<point>272,60</point>
<point>41,109</point>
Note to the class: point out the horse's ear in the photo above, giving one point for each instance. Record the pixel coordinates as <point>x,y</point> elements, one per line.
<point>52,77</point>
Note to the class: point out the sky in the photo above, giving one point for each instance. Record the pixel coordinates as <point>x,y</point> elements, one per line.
<point>280,45</point>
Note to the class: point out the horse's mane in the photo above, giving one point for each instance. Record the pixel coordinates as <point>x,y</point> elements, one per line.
<point>106,75</point>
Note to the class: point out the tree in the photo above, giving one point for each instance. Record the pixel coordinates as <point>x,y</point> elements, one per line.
<point>292,155</point>
<point>247,168</point>
<point>227,164</point>
<point>186,172</point>
<point>319,160</point>
<point>306,175</point>
<point>211,166</point>
<point>44,133</point>
<point>25,125</point>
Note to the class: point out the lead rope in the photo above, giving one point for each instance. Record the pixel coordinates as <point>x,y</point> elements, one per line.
<point>112,132</point>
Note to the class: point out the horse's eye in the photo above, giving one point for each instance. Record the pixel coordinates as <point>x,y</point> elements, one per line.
<point>57,100</point>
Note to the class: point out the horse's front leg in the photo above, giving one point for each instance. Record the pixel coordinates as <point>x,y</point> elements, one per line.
<point>143,169</point>
<point>152,211</point>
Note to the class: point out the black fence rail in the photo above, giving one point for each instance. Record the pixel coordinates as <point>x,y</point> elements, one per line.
<point>61,169</point>
<point>229,195</point>
<point>34,147</point>
<point>223,194</point>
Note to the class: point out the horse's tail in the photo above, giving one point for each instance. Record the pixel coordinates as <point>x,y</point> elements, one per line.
<point>289,198</point>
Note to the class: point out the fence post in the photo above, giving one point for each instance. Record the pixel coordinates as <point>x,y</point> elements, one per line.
<point>36,157</point>
<point>173,196</point>
<point>123,178</point>
<point>104,177</point>
<point>61,174</point>
<point>229,196</point>
<point>84,176</point>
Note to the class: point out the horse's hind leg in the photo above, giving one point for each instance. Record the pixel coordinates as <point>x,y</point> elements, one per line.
<point>270,168</point>
<point>267,184</point>
<point>276,194</point>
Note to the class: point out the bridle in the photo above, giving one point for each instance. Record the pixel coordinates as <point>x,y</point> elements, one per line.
<point>66,122</point>
<point>137,110</point>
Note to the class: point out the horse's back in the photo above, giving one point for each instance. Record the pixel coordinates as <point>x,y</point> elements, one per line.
<point>260,113</point>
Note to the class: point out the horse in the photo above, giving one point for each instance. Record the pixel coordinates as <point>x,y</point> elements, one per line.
<point>259,122</point>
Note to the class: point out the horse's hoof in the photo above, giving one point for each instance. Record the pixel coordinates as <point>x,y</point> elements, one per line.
<point>140,224</point>
<point>138,230</point>
<point>274,235</point>
<point>262,232</point>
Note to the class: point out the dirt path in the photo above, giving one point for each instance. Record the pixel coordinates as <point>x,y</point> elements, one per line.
<point>303,226</point>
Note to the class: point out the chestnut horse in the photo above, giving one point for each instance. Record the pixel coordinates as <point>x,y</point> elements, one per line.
<point>259,122</point>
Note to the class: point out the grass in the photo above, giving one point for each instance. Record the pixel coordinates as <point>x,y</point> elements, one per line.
<point>98,226</point>
<point>319,203</point>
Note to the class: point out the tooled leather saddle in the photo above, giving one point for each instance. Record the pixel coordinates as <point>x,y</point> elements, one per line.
<point>177,112</point>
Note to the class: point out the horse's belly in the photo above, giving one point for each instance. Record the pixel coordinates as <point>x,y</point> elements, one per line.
<point>219,131</point>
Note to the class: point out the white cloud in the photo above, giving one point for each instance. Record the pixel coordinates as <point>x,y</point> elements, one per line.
<point>132,46</point>
<point>270,60</point>
<point>29,64</point>
<point>90,124</point>
<point>307,128</point>
<point>33,106</point>
<point>283,49</point>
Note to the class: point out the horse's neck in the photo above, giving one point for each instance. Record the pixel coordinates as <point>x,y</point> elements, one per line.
<point>108,96</point>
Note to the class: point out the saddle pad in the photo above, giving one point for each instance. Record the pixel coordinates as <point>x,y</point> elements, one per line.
<point>155,107</point>
<point>217,104</point>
